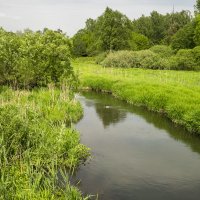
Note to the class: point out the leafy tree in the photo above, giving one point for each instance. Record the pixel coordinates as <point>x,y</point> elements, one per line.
<point>184,38</point>
<point>157,21</point>
<point>9,54</point>
<point>85,41</point>
<point>197,30</point>
<point>80,43</point>
<point>174,22</point>
<point>160,28</point>
<point>114,30</point>
<point>138,42</point>
<point>143,26</point>
<point>197,7</point>
<point>32,59</point>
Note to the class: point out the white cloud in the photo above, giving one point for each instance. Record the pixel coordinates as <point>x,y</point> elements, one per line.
<point>2,14</point>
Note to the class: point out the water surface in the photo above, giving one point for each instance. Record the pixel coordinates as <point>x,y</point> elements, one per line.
<point>136,154</point>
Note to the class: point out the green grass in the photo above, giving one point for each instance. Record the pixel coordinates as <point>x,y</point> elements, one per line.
<point>37,142</point>
<point>174,93</point>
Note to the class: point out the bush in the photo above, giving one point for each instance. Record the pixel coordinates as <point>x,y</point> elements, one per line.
<point>100,57</point>
<point>130,59</point>
<point>124,59</point>
<point>196,54</point>
<point>183,60</point>
<point>32,59</point>
<point>162,50</point>
<point>148,59</point>
<point>158,57</point>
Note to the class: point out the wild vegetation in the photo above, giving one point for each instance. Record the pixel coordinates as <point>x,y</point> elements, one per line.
<point>158,41</point>
<point>172,93</point>
<point>153,43</point>
<point>157,57</point>
<point>33,59</point>
<point>38,82</point>
<point>38,143</point>
<point>39,146</point>
<point>114,31</point>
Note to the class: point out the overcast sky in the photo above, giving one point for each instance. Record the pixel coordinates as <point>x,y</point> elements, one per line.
<point>70,15</point>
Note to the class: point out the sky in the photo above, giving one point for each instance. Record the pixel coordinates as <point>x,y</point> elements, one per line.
<point>70,15</point>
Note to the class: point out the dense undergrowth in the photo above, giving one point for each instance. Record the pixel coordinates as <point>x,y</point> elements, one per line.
<point>175,94</point>
<point>157,57</point>
<point>37,143</point>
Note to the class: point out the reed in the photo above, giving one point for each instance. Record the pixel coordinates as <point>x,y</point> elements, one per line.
<point>38,142</point>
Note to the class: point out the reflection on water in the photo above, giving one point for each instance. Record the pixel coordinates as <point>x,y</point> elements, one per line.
<point>114,116</point>
<point>137,154</point>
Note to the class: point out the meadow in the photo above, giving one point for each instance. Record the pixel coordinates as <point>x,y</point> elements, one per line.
<point>39,145</point>
<point>175,94</point>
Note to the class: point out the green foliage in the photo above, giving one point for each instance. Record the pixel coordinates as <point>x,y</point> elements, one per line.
<point>197,7</point>
<point>184,60</point>
<point>138,42</point>
<point>174,22</point>
<point>131,59</point>
<point>160,28</point>
<point>123,59</point>
<point>110,31</point>
<point>37,141</point>
<point>147,59</point>
<point>184,38</point>
<point>162,50</point>
<point>85,41</point>
<point>197,30</point>
<point>80,44</point>
<point>101,57</point>
<point>157,57</point>
<point>174,93</point>
<point>32,59</point>
<point>113,30</point>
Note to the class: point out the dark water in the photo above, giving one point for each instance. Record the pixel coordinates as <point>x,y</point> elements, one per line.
<point>137,154</point>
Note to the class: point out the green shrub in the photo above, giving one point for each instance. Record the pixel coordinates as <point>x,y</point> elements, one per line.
<point>183,60</point>
<point>147,59</point>
<point>101,57</point>
<point>162,50</point>
<point>34,59</point>
<point>196,54</point>
<point>130,59</point>
<point>123,59</point>
<point>158,57</point>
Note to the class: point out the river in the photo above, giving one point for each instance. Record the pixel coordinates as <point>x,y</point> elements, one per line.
<point>136,154</point>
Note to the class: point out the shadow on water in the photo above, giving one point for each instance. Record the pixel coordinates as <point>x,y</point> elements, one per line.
<point>111,113</point>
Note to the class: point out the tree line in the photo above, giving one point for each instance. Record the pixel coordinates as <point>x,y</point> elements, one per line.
<point>113,31</point>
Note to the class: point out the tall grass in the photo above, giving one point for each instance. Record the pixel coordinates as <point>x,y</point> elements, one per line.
<point>37,142</point>
<point>173,93</point>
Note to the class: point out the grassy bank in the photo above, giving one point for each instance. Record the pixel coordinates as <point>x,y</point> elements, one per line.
<point>173,93</point>
<point>37,143</point>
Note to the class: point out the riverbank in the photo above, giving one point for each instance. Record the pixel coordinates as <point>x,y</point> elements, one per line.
<point>38,142</point>
<point>173,93</point>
